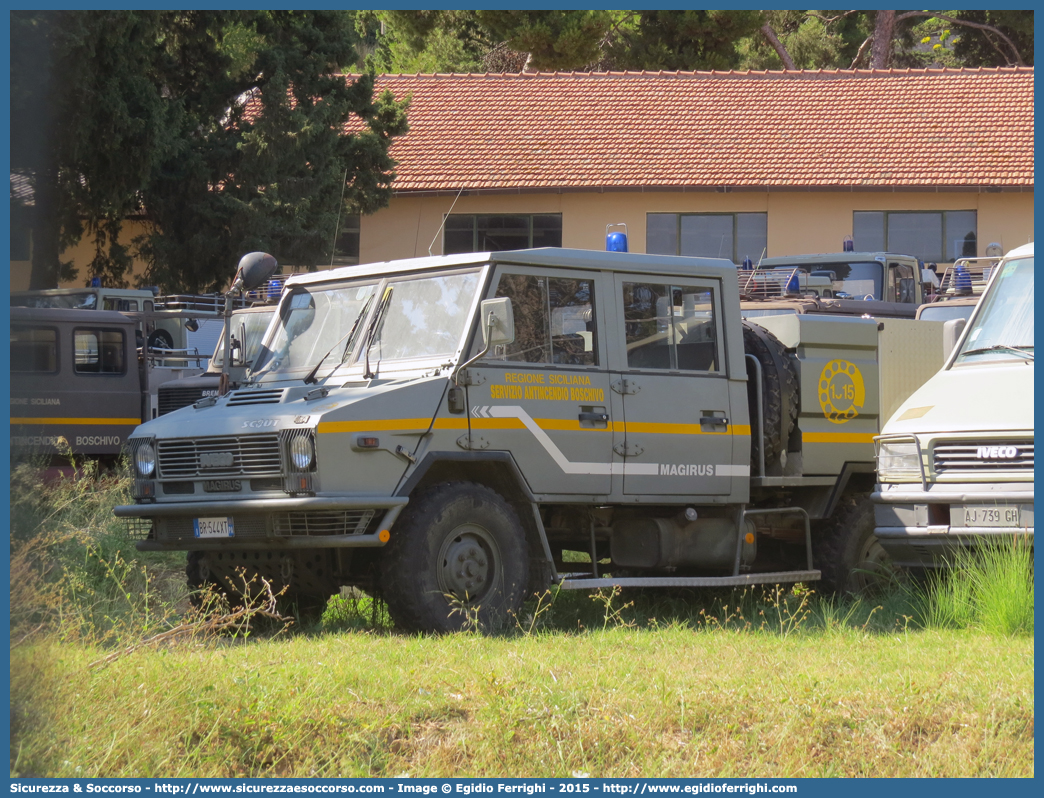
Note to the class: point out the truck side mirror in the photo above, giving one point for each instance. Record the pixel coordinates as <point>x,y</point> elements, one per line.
<point>952,330</point>
<point>255,268</point>
<point>498,321</point>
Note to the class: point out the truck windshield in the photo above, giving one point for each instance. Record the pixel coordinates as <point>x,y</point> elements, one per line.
<point>854,280</point>
<point>425,317</point>
<point>1003,327</point>
<point>85,300</point>
<point>251,328</point>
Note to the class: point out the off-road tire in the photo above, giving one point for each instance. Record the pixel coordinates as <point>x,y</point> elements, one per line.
<point>160,339</point>
<point>203,589</point>
<point>457,558</point>
<point>847,552</point>
<point>775,386</point>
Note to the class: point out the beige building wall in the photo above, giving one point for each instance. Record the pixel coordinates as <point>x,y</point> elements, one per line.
<point>798,222</point>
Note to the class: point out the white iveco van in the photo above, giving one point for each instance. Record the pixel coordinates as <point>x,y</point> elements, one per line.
<point>955,462</point>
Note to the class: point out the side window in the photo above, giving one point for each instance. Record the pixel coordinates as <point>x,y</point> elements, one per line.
<point>669,327</point>
<point>116,303</point>
<point>905,286</point>
<point>99,352</point>
<point>34,350</point>
<point>554,320</point>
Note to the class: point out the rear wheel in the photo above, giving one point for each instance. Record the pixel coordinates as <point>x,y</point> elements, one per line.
<point>457,559</point>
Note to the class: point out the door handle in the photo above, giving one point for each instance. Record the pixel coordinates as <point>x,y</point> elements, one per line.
<point>714,420</point>
<point>595,418</point>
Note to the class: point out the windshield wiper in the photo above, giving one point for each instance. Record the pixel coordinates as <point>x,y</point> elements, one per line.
<point>1021,351</point>
<point>375,327</point>
<point>350,336</point>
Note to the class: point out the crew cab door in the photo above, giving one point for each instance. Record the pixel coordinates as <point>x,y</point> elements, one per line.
<point>670,370</point>
<point>545,398</point>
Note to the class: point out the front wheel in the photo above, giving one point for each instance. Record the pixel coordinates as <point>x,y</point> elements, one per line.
<point>456,559</point>
<point>848,553</point>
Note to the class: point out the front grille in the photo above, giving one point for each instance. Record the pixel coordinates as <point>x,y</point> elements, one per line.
<point>138,528</point>
<point>271,483</point>
<point>171,399</point>
<point>333,522</point>
<point>956,459</point>
<point>325,522</point>
<point>230,456</point>
<point>267,397</point>
<point>178,488</point>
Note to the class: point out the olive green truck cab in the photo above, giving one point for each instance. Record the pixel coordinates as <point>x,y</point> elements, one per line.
<point>451,431</point>
<point>955,462</point>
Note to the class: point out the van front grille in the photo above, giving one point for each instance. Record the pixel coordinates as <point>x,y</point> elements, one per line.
<point>227,456</point>
<point>982,457</point>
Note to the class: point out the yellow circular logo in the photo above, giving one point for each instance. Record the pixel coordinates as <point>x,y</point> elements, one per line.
<point>841,391</point>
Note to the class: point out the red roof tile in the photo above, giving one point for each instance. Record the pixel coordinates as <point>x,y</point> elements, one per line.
<point>811,129</point>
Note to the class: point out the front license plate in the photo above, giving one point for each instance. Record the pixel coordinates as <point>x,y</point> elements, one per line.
<point>997,516</point>
<point>212,527</point>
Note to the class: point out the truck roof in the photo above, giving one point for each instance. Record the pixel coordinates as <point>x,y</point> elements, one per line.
<point>831,257</point>
<point>1026,250</point>
<point>74,315</point>
<point>546,256</point>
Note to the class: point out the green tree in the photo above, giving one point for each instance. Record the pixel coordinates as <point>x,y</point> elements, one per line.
<point>88,126</point>
<point>580,40</point>
<point>226,130</point>
<point>683,40</point>
<point>986,47</point>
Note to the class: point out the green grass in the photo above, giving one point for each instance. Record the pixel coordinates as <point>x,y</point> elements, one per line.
<point>990,589</point>
<point>111,675</point>
<point>622,702</point>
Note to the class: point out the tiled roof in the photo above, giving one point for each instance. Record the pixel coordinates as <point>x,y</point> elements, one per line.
<point>859,129</point>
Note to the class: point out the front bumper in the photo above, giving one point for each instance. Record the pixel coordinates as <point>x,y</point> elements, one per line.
<point>924,528</point>
<point>266,524</point>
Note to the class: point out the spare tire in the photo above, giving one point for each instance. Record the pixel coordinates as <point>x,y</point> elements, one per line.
<point>780,396</point>
<point>160,339</point>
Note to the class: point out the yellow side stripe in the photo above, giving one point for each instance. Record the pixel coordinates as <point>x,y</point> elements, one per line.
<point>376,425</point>
<point>837,437</point>
<point>112,421</point>
<point>550,424</point>
<point>451,423</point>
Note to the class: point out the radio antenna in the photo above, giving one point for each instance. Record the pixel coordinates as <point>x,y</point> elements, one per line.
<point>337,224</point>
<point>444,218</point>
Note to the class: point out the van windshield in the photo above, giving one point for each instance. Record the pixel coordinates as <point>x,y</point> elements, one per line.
<point>420,317</point>
<point>1003,327</point>
<point>853,280</point>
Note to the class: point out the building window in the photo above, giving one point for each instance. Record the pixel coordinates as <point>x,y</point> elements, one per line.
<point>99,352</point>
<point>554,320</point>
<point>669,327</point>
<point>937,236</point>
<point>346,252</point>
<point>708,235</point>
<point>34,350</point>
<point>488,233</point>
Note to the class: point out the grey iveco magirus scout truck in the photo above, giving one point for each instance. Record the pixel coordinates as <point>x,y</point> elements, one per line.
<point>443,430</point>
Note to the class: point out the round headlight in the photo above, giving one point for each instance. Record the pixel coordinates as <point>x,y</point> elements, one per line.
<point>301,453</point>
<point>145,459</point>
